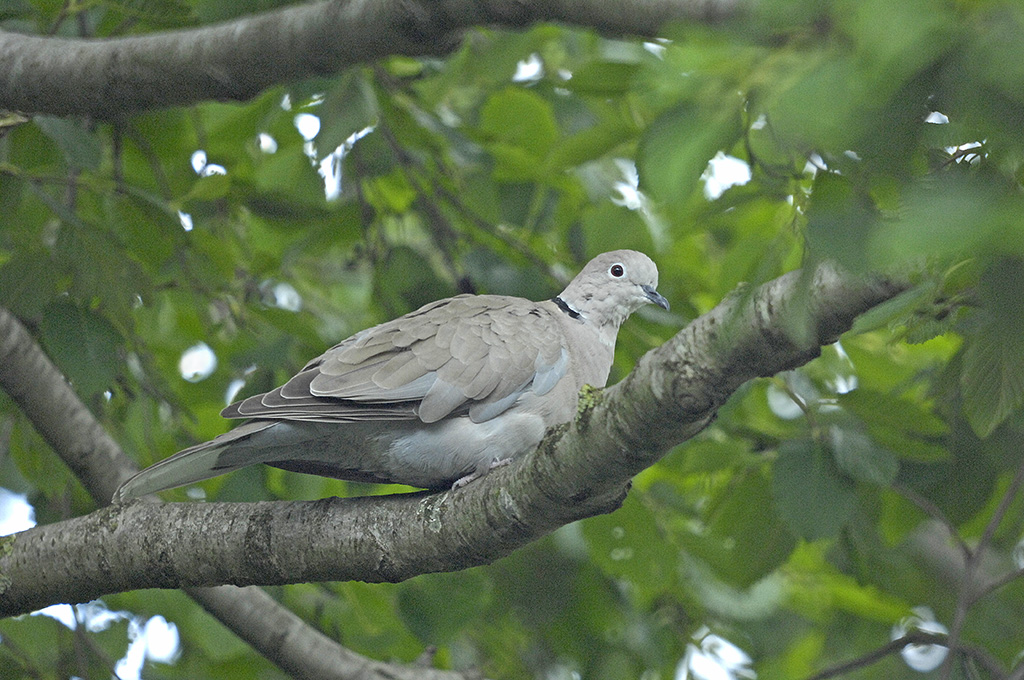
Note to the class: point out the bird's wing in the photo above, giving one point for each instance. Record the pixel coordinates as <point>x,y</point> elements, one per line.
<point>475,353</point>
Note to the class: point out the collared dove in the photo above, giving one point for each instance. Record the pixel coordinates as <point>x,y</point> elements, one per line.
<point>435,397</point>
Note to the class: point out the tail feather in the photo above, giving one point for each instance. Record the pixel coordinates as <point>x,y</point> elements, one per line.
<point>190,465</point>
<point>185,467</point>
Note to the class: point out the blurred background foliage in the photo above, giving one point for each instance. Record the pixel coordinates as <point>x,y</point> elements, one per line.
<point>808,526</point>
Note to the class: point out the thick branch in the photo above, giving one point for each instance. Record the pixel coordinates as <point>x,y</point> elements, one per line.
<point>236,60</point>
<point>42,393</point>
<point>301,651</point>
<point>27,375</point>
<point>579,471</point>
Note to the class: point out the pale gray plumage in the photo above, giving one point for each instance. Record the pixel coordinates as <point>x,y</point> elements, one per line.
<point>437,396</point>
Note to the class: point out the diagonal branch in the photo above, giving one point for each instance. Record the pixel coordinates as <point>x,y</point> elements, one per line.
<point>36,385</point>
<point>42,393</point>
<point>968,594</point>
<point>914,637</point>
<point>238,59</point>
<point>580,470</point>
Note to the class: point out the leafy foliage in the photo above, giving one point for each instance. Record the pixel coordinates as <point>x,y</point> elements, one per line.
<point>805,523</point>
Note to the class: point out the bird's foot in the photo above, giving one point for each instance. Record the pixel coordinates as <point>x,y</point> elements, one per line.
<point>478,473</point>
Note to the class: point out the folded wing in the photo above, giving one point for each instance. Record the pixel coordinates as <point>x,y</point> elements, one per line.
<point>467,354</point>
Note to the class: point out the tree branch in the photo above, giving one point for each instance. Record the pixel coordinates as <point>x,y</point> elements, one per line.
<point>914,637</point>
<point>580,470</point>
<point>42,393</point>
<point>936,514</point>
<point>967,594</point>
<point>39,389</point>
<point>295,646</point>
<point>238,59</point>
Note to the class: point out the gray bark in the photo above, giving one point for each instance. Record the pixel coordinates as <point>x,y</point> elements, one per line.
<point>236,60</point>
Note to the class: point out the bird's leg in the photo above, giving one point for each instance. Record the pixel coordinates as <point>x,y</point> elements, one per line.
<point>480,472</point>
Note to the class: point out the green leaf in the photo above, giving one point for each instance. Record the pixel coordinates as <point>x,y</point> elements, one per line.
<point>404,281</point>
<point>28,147</point>
<point>208,635</point>
<point>29,643</point>
<point>897,39</point>
<point>371,155</point>
<point>950,217</point>
<point>519,126</point>
<point>860,458</point>
<point>27,283</point>
<point>884,409</point>
<point>813,498</point>
<point>992,378</point>
<point>609,227</point>
<point>993,360</point>
<point>628,544</point>
<point>80,145</point>
<point>521,118</point>
<point>163,13</point>
<point>704,456</point>
<point>895,309</point>
<point>824,107</point>
<point>437,607</point>
<point>605,78</point>
<point>745,539</point>
<point>391,192</point>
<point>905,427</point>
<point>83,344</point>
<point>209,188</point>
<point>839,222</point>
<point>514,164</point>
<point>12,189</point>
<point>348,108</point>
<point>589,144</point>
<point>291,173</point>
<point>676,148</point>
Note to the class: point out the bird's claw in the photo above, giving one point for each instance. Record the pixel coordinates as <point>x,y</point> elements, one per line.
<point>478,473</point>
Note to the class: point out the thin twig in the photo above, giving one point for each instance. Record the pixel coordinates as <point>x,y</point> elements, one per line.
<point>965,597</point>
<point>65,11</point>
<point>152,159</point>
<point>935,513</point>
<point>438,187</point>
<point>985,660</point>
<point>496,233</point>
<point>88,644</point>
<point>23,658</point>
<point>441,231</point>
<point>1006,578</point>
<point>915,637</point>
<point>784,385</point>
<point>1001,510</point>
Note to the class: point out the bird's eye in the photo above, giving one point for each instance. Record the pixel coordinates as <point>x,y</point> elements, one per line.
<point>616,270</point>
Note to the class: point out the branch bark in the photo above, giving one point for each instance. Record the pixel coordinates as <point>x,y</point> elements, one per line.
<point>580,470</point>
<point>39,389</point>
<point>238,59</point>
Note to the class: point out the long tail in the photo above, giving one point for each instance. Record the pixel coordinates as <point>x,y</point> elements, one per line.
<point>185,467</point>
<point>190,465</point>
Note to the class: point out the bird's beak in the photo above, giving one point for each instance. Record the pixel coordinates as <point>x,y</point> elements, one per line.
<point>655,297</point>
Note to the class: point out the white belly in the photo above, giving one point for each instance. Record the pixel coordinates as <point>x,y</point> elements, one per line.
<point>432,455</point>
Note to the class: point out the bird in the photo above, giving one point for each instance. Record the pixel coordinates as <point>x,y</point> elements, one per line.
<point>435,398</point>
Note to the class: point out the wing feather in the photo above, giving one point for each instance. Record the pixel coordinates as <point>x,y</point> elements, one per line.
<point>469,353</point>
<point>401,369</point>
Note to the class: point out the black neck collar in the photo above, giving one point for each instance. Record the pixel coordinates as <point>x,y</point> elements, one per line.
<point>564,306</point>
